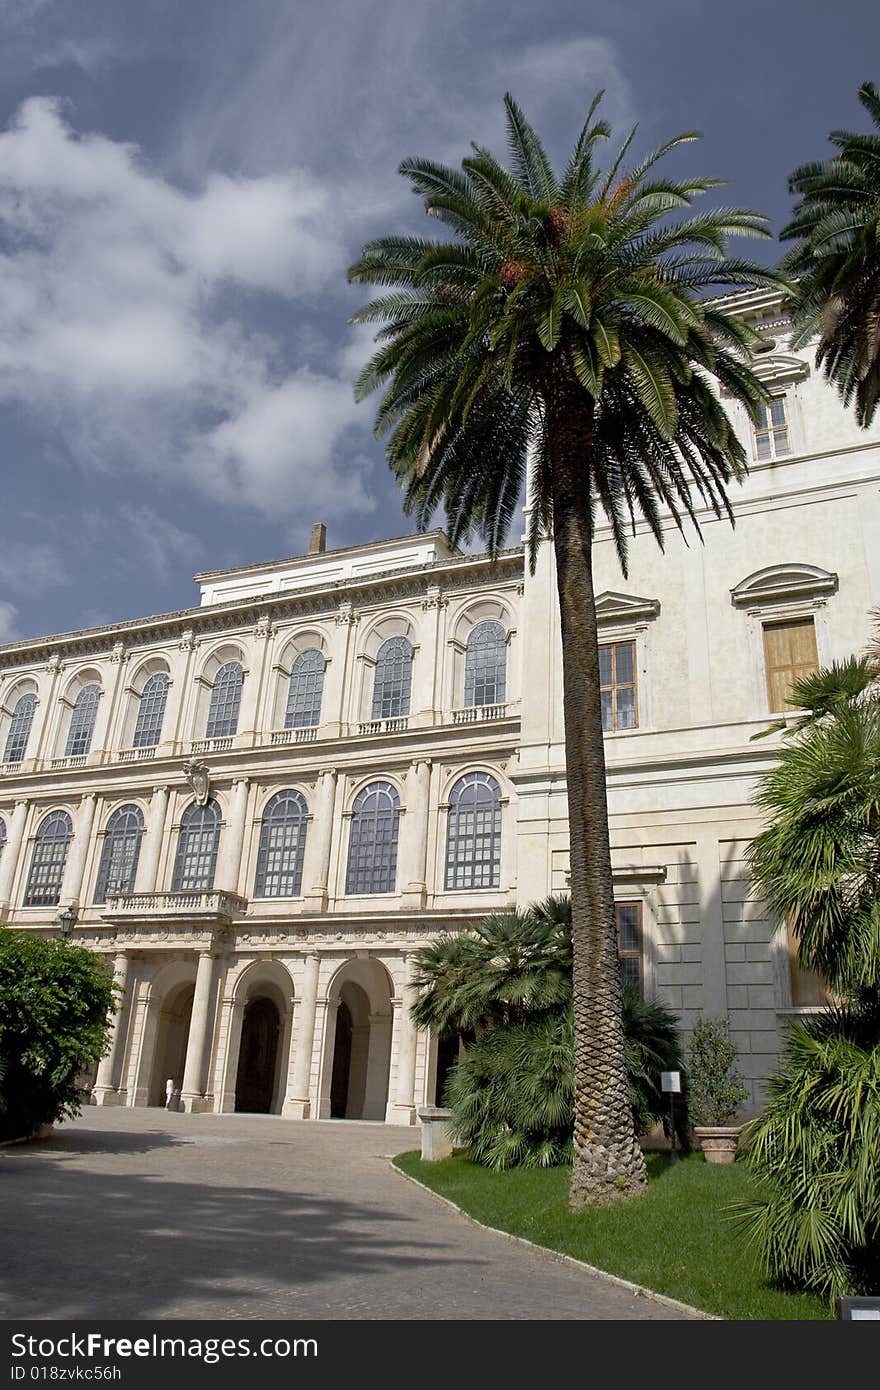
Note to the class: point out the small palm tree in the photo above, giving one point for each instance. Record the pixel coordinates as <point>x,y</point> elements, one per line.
<point>837,226</point>
<point>566,320</point>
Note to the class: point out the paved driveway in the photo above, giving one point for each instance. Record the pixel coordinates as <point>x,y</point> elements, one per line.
<point>143,1214</point>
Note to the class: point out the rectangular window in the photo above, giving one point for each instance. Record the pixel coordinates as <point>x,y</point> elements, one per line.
<point>807,987</point>
<point>629,943</point>
<point>790,653</point>
<point>771,431</point>
<point>617,684</point>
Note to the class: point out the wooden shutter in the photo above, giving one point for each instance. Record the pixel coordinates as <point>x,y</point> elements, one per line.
<point>790,653</point>
<point>806,986</point>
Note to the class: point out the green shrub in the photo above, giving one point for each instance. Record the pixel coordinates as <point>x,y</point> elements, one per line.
<point>55,1001</point>
<point>715,1088</point>
<point>815,1148</point>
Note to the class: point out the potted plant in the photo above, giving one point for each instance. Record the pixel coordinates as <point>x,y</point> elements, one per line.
<point>715,1089</point>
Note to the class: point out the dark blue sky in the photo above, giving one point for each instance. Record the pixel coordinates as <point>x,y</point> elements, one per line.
<point>183,186</point>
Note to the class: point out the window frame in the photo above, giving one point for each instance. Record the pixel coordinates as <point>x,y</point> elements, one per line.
<point>612,644</point>
<point>474,673</point>
<point>291,719</point>
<point>388,868</point>
<point>56,860</point>
<point>189,829</point>
<point>263,872</point>
<point>767,624</point>
<point>80,733</point>
<point>145,720</point>
<point>397,690</point>
<point>639,952</point>
<point>771,430</point>
<point>454,838</point>
<point>219,722</point>
<point>13,732</point>
<point>111,836</point>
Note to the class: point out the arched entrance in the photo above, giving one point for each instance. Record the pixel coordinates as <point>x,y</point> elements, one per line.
<point>171,1040</point>
<point>256,1078</point>
<point>357,1057</point>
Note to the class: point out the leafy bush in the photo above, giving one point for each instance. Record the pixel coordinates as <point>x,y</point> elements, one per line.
<point>715,1088</point>
<point>507,987</point>
<point>816,1146</point>
<point>55,1000</point>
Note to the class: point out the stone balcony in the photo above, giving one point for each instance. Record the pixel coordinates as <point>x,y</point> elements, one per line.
<point>216,908</point>
<point>475,714</point>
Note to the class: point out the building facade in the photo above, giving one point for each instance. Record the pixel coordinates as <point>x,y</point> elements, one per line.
<point>261,807</point>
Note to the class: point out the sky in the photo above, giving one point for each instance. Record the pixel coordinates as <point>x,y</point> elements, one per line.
<point>183,186</point>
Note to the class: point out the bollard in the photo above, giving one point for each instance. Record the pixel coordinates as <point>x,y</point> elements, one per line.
<point>436,1139</point>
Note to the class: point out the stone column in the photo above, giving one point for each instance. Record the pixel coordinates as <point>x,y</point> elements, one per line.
<point>326,1026</point>
<point>105,1091</point>
<point>232,841</point>
<point>297,1103</point>
<point>11,851</point>
<point>148,864</point>
<point>72,883</point>
<point>402,1110</point>
<point>418,782</point>
<point>316,870</point>
<point>199,1040</point>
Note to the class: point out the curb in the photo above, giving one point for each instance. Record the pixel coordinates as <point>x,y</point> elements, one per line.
<point>638,1289</point>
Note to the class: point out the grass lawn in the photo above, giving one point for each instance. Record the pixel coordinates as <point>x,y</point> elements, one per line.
<point>675,1239</point>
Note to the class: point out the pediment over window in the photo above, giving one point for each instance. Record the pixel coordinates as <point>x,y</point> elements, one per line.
<point>621,608</point>
<point>780,369</point>
<point>784,582</point>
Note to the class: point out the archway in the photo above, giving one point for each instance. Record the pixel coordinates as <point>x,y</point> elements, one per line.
<point>171,1040</point>
<point>256,1078</point>
<point>358,1046</point>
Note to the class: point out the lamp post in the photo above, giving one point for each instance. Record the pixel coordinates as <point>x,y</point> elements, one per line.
<point>67,922</point>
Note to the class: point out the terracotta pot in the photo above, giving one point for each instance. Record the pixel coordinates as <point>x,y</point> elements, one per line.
<point>718,1142</point>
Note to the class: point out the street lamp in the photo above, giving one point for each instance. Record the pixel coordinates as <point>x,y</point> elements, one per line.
<point>67,922</point>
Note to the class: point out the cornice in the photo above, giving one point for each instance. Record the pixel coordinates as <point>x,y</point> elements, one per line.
<point>450,573</point>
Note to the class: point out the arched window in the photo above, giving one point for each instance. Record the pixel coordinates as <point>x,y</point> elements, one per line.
<point>306,689</point>
<point>20,728</point>
<point>197,848</point>
<point>82,721</point>
<point>151,711</point>
<point>50,856</point>
<point>120,853</point>
<point>473,836</point>
<point>372,849</point>
<point>393,680</point>
<point>485,670</point>
<point>282,846</point>
<point>225,701</point>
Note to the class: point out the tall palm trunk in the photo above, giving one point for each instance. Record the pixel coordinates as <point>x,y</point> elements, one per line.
<point>608,1162</point>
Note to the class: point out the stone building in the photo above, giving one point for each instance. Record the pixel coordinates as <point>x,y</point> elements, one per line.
<point>261,806</point>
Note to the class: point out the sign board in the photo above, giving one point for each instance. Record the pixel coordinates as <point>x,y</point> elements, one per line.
<point>670,1081</point>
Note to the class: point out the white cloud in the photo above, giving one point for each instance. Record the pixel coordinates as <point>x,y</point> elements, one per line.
<point>8,622</point>
<point>128,313</point>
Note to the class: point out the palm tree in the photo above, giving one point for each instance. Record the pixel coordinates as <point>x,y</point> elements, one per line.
<point>565,321</point>
<point>837,224</point>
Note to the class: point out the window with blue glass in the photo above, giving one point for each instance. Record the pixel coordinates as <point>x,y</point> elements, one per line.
<point>225,701</point>
<point>196,860</point>
<point>82,721</point>
<point>392,683</point>
<point>473,835</point>
<point>305,691</point>
<point>282,846</point>
<point>485,671</point>
<point>50,856</point>
<point>372,849</point>
<point>20,728</point>
<point>151,711</point>
<point>120,852</point>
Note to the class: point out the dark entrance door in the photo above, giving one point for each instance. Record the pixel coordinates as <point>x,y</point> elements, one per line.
<point>341,1064</point>
<point>255,1082</point>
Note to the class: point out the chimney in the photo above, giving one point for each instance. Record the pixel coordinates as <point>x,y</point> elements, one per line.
<point>318,539</point>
